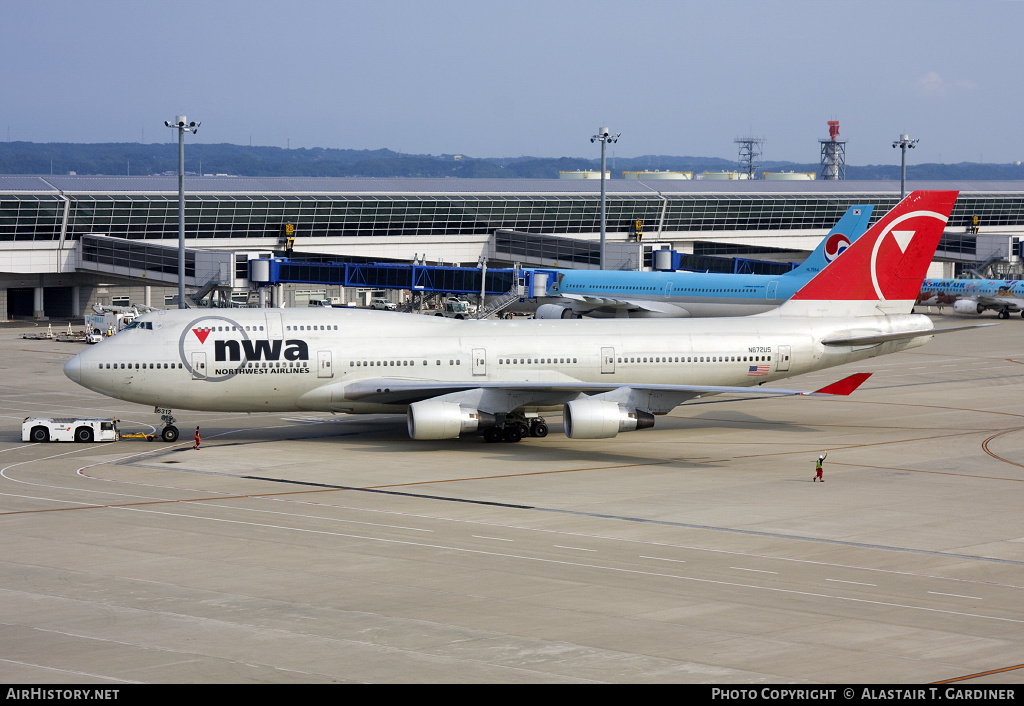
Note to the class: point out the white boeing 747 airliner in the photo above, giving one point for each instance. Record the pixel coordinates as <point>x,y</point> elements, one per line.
<point>496,377</point>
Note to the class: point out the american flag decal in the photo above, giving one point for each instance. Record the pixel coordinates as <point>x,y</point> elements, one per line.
<point>756,370</point>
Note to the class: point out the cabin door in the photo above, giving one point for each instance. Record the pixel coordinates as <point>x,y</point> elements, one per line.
<point>783,361</point>
<point>607,360</point>
<point>198,365</point>
<point>324,368</point>
<point>479,361</point>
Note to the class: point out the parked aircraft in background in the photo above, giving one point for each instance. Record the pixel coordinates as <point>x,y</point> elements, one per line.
<point>974,296</point>
<point>607,293</point>
<point>497,377</point>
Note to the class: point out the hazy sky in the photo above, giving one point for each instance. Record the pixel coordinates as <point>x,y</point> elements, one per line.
<point>489,78</point>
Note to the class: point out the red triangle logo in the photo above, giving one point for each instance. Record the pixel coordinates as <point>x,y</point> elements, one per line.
<point>201,333</point>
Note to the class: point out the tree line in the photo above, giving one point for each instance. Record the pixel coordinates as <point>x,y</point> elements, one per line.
<point>138,159</point>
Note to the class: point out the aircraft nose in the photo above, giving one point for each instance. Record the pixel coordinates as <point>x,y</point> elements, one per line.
<point>73,368</point>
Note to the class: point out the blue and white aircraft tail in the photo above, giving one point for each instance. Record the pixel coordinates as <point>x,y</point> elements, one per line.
<point>617,294</point>
<point>851,226</point>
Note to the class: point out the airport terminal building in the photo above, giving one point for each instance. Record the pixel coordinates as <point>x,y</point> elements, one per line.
<point>67,242</point>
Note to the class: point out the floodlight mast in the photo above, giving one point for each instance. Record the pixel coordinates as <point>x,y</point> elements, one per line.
<point>605,137</point>
<point>182,125</point>
<point>903,143</point>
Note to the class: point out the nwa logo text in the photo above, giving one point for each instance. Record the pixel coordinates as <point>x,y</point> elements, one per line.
<point>256,349</point>
<point>260,349</point>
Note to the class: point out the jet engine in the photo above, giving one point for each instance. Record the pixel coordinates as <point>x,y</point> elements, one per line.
<point>967,306</point>
<point>601,419</point>
<point>436,419</point>
<point>555,311</point>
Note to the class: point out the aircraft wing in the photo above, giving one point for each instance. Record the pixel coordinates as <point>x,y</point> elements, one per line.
<point>1012,303</point>
<point>505,397</point>
<point>623,303</point>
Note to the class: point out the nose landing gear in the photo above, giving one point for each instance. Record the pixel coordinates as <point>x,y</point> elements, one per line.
<point>170,432</point>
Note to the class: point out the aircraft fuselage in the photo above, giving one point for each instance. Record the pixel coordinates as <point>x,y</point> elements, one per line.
<point>304,359</point>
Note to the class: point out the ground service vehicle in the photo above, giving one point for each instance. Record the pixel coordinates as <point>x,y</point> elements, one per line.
<point>41,429</point>
<point>382,304</point>
<point>454,309</point>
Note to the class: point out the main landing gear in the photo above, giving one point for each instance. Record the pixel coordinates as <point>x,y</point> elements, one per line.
<point>515,428</point>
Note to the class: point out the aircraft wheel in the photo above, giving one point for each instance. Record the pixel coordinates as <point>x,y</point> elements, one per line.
<point>539,430</point>
<point>39,435</point>
<point>492,435</point>
<point>512,434</point>
<point>1004,314</point>
<point>169,434</point>
<point>83,435</point>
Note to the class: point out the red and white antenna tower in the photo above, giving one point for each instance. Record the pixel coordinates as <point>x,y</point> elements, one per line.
<point>833,154</point>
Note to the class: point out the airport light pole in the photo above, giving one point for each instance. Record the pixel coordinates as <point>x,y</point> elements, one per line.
<point>180,123</point>
<point>604,137</point>
<point>903,143</point>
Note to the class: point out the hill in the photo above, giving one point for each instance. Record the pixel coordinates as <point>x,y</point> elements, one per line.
<point>238,160</point>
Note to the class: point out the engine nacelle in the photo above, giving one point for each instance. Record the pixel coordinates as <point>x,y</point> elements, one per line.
<point>436,419</point>
<point>600,419</point>
<point>555,311</point>
<point>967,306</point>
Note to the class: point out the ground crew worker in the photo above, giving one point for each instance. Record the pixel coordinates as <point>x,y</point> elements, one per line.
<point>196,447</point>
<point>821,460</point>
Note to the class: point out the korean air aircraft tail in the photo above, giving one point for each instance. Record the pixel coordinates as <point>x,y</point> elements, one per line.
<point>881,273</point>
<point>850,227</point>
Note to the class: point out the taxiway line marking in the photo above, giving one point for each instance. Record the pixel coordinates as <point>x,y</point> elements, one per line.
<point>953,595</point>
<point>980,674</point>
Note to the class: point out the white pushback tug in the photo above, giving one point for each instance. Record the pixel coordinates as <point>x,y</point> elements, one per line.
<point>41,429</point>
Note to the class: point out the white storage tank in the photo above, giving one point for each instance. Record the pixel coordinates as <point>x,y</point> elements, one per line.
<point>790,176</point>
<point>584,174</point>
<point>657,174</point>
<point>724,176</point>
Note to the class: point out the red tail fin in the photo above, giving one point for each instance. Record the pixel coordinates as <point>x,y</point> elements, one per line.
<point>886,265</point>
